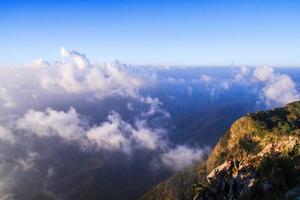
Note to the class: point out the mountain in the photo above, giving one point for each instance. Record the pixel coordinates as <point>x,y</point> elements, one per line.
<point>257,158</point>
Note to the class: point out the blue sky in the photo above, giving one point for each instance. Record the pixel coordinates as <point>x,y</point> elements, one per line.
<point>215,32</point>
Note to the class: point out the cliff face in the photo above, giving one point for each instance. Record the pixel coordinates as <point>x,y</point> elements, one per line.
<point>258,158</point>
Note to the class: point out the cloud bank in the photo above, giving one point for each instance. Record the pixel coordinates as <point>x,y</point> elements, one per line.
<point>54,111</point>
<point>73,76</point>
<point>113,135</point>
<point>74,73</point>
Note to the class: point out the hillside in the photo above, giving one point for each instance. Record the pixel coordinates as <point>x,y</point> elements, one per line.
<point>258,158</point>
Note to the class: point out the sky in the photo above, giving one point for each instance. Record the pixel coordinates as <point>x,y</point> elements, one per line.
<point>198,33</point>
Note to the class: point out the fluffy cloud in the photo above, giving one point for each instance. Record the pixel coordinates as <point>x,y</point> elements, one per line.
<point>182,157</point>
<point>37,64</point>
<point>278,89</point>
<point>152,139</point>
<point>74,81</point>
<point>67,125</point>
<point>242,73</point>
<point>75,74</point>
<point>273,89</point>
<point>154,107</point>
<point>116,134</point>
<point>112,135</point>
<point>263,73</point>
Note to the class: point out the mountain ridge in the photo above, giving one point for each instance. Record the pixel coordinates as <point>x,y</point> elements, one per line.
<point>257,158</point>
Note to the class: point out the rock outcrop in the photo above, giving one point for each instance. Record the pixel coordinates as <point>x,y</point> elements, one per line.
<point>258,158</point>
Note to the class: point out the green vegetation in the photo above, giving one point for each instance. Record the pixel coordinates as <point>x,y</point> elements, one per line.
<point>280,120</point>
<point>248,145</point>
<point>263,146</point>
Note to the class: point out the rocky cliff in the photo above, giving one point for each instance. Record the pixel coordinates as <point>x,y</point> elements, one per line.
<point>258,158</point>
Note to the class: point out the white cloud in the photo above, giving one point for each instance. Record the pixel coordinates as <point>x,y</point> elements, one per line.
<point>281,90</point>
<point>67,125</point>
<point>111,135</point>
<point>75,74</point>
<point>6,135</point>
<point>242,73</point>
<point>278,89</point>
<point>182,156</point>
<point>263,73</point>
<point>273,89</point>
<point>37,64</point>
<point>78,59</point>
<point>154,106</point>
<point>115,134</point>
<point>148,138</point>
